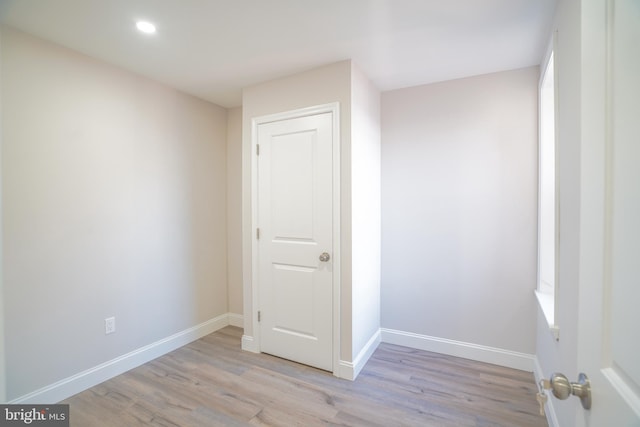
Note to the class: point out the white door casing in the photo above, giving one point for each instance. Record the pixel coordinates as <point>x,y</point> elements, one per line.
<point>296,210</point>
<point>609,318</point>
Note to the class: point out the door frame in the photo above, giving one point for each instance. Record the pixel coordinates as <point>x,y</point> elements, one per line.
<point>334,109</point>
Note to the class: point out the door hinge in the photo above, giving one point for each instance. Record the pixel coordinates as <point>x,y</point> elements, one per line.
<point>258,233</point>
<point>257,149</point>
<point>258,315</point>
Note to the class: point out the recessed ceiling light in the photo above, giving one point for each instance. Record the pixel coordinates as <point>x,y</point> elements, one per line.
<point>146,27</point>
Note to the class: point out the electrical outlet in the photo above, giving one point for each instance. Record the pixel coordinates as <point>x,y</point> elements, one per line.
<point>109,325</point>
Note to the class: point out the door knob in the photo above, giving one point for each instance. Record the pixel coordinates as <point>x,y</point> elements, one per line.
<point>324,257</point>
<point>562,388</point>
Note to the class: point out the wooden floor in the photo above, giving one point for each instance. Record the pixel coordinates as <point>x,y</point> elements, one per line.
<point>211,382</point>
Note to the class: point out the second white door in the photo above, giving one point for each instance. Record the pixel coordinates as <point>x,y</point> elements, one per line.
<point>609,340</point>
<point>295,244</point>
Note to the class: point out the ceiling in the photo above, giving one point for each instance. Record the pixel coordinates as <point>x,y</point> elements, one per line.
<point>214,48</point>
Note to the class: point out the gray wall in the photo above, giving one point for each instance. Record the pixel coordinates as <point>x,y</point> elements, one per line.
<point>112,205</point>
<point>459,222</point>
<point>234,210</point>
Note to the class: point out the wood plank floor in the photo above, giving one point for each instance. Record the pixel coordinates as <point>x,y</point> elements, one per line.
<point>211,382</point>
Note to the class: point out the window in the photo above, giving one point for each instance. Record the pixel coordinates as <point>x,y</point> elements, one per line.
<point>547,195</point>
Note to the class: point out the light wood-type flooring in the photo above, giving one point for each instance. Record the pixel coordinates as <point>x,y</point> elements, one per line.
<point>212,382</point>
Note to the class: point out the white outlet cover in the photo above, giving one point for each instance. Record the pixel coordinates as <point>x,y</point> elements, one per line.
<point>109,325</point>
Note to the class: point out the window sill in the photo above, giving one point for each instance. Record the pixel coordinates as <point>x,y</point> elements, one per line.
<point>548,309</point>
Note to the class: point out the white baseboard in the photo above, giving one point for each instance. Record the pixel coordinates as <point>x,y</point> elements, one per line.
<point>81,381</point>
<point>363,357</point>
<point>549,410</point>
<point>249,344</point>
<point>345,370</point>
<point>351,370</point>
<point>236,319</point>
<point>481,353</point>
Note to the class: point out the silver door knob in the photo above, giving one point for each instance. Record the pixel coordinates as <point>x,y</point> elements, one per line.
<point>324,257</point>
<point>562,388</point>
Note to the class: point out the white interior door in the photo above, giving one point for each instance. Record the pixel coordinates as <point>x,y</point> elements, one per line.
<point>609,313</point>
<point>295,245</point>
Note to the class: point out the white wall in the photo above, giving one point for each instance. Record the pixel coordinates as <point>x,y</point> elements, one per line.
<point>234,210</point>
<point>366,211</point>
<point>459,197</point>
<point>561,356</point>
<point>112,205</point>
